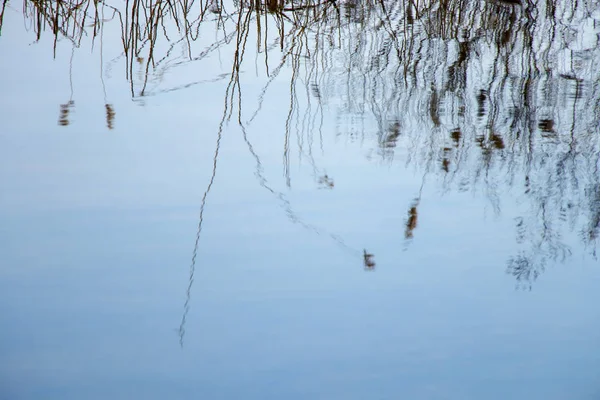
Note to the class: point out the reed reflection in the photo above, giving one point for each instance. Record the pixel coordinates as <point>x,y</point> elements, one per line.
<point>491,97</point>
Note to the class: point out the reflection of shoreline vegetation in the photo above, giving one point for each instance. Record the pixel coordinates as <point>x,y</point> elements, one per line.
<point>494,96</point>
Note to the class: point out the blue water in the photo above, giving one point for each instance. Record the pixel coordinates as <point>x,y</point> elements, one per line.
<point>109,289</point>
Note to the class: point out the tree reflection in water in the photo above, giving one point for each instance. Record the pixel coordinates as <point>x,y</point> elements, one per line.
<point>488,96</point>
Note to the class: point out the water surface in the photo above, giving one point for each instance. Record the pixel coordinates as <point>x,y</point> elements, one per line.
<point>336,200</point>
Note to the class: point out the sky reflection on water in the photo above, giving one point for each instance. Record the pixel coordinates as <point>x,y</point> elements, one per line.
<point>395,201</point>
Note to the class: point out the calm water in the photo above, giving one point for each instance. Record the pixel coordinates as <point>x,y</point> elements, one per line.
<point>336,200</point>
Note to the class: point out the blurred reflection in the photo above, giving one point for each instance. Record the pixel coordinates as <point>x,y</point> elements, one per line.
<point>493,97</point>
<point>65,111</point>
<point>110,116</point>
<point>325,182</point>
<point>2,10</point>
<point>411,222</point>
<point>368,260</point>
<point>68,107</point>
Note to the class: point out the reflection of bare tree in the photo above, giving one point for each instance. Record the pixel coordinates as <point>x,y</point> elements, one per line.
<point>480,89</point>
<point>501,94</point>
<point>494,97</point>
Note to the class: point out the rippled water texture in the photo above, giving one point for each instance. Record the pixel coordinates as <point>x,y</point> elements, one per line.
<point>332,199</point>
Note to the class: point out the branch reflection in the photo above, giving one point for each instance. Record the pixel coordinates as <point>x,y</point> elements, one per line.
<point>493,97</point>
